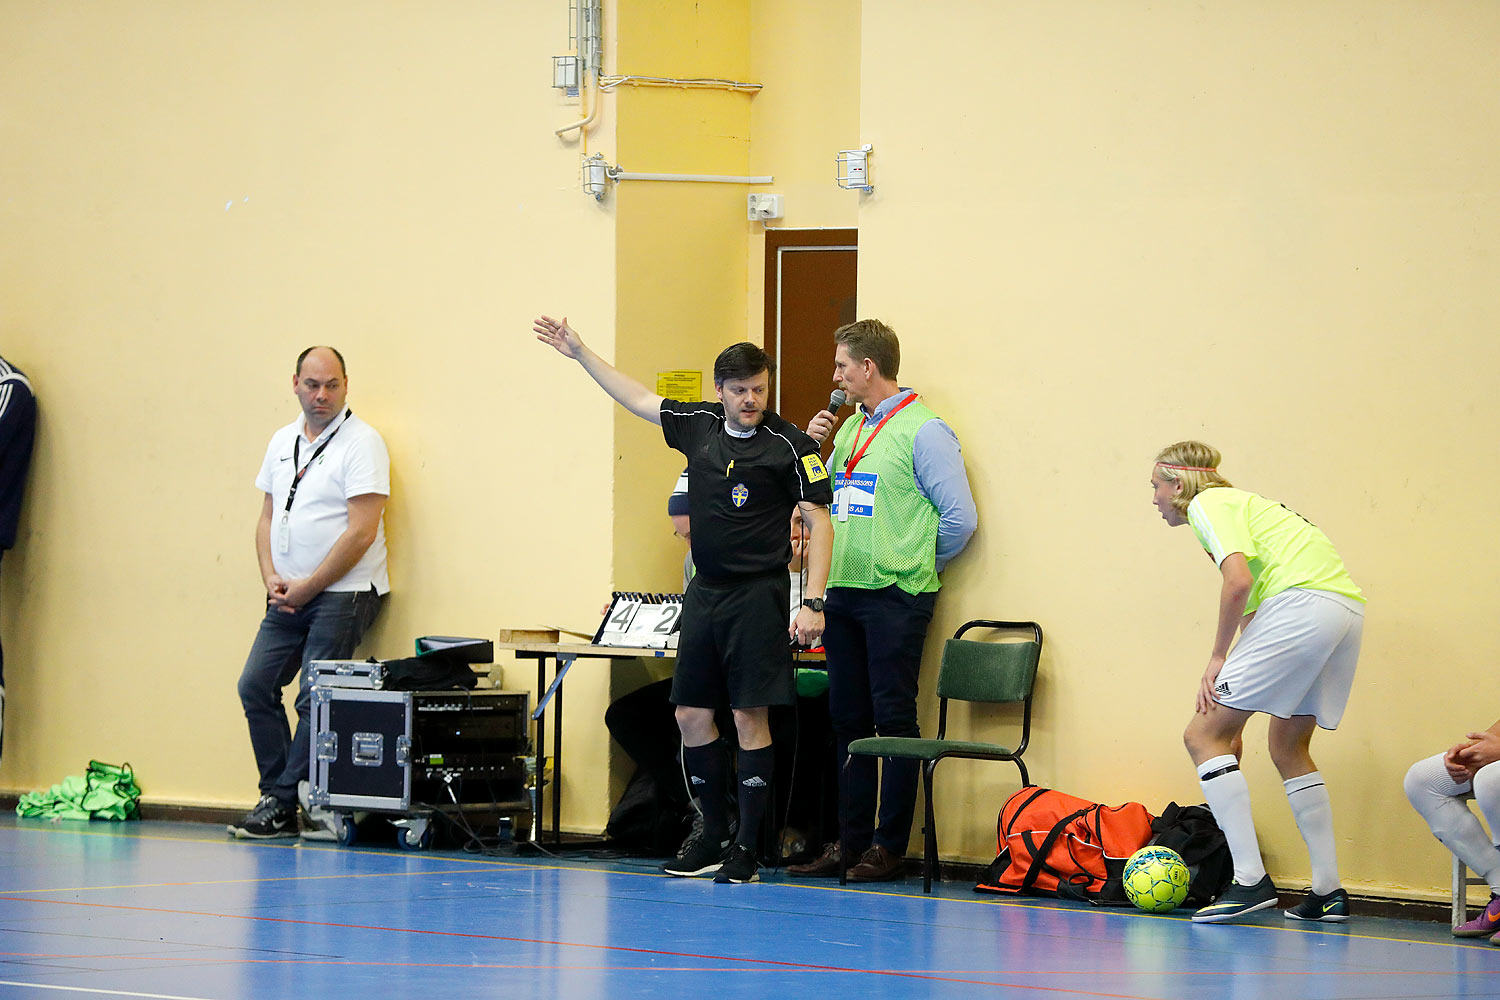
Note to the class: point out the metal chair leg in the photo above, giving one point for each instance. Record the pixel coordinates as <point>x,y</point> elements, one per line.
<point>929,838</point>
<point>844,822</point>
<point>1460,892</point>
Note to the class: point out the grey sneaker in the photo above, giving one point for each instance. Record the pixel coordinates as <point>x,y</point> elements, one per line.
<point>269,820</point>
<point>1238,901</point>
<point>317,823</point>
<point>691,840</point>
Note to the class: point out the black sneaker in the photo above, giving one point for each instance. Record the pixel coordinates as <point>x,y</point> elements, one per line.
<point>270,819</point>
<point>701,856</point>
<point>739,866</point>
<point>1238,901</point>
<point>1330,909</point>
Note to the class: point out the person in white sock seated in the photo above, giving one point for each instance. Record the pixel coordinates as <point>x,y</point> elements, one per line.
<point>1436,788</point>
<point>1300,617</point>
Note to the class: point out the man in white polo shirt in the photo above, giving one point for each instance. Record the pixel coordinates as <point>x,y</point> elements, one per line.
<point>321,545</point>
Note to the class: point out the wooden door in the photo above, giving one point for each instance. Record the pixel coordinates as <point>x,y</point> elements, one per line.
<point>811,286</point>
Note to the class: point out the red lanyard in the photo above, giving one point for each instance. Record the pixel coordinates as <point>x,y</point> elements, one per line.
<point>860,452</point>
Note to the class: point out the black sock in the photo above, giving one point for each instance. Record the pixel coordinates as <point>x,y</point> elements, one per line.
<point>755,768</point>
<point>708,770</point>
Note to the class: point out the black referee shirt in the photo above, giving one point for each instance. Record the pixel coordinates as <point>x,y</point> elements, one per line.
<point>741,491</point>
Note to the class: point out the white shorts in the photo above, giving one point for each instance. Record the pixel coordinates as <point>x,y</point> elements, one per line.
<point>1296,657</point>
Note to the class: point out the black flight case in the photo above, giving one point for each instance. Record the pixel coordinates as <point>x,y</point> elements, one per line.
<point>412,752</point>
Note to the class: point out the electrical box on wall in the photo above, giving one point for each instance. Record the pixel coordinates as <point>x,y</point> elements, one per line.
<point>854,169</point>
<point>764,206</point>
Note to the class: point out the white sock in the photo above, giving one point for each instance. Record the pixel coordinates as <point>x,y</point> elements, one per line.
<point>1487,797</point>
<point>1314,812</point>
<point>1439,801</point>
<point>1228,797</point>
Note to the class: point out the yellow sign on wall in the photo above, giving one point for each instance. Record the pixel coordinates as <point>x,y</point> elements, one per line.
<point>683,385</point>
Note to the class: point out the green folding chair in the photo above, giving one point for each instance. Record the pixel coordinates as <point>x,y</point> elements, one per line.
<point>974,671</point>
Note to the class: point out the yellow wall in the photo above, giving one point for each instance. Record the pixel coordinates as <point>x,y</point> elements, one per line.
<point>1269,225</point>
<point>680,260</point>
<point>806,56</point>
<point>193,194</point>
<point>680,251</point>
<point>1119,225</point>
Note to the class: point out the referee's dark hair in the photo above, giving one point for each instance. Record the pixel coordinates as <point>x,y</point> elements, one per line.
<point>343,369</point>
<point>742,360</point>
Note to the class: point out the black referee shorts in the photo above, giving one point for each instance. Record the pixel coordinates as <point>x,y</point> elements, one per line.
<point>733,646</point>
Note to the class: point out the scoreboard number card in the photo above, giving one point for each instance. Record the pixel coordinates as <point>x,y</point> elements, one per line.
<point>641,625</point>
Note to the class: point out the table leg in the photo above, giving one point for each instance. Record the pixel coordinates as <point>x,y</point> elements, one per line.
<point>540,749</point>
<point>557,769</point>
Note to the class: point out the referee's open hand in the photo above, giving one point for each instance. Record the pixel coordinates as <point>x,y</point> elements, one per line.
<point>558,335</point>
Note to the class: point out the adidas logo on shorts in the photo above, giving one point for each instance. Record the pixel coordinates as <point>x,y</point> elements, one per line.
<point>1221,688</point>
<point>754,781</point>
<point>697,780</point>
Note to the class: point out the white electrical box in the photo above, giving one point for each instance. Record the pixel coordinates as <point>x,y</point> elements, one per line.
<point>854,169</point>
<point>565,72</point>
<point>760,207</point>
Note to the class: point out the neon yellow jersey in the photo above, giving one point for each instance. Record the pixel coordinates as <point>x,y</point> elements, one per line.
<point>1283,548</point>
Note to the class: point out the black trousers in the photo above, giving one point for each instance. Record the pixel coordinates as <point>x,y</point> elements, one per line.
<point>874,643</point>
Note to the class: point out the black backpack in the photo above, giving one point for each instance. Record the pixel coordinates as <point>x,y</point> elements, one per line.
<point>1193,832</point>
<point>646,820</point>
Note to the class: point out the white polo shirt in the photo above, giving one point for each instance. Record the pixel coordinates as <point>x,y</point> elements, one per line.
<point>354,463</point>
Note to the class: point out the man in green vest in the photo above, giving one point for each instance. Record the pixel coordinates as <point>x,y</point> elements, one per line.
<point>902,510</point>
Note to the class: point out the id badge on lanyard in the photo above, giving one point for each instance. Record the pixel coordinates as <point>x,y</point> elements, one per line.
<point>284,528</point>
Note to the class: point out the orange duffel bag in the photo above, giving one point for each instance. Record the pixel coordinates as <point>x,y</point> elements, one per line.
<point>1055,844</point>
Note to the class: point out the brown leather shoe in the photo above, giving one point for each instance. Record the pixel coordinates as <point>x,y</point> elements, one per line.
<point>826,865</point>
<point>876,865</point>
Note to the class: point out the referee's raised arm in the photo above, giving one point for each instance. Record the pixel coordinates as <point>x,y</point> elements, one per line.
<point>623,389</point>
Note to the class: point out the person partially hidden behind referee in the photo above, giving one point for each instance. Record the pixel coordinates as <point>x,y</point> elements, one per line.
<point>748,469</point>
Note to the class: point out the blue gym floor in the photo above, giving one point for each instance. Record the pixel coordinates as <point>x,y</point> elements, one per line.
<point>180,910</point>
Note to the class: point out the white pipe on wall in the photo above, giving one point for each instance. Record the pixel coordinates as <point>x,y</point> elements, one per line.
<point>626,175</point>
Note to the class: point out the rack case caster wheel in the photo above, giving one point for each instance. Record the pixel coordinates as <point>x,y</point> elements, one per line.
<point>414,834</point>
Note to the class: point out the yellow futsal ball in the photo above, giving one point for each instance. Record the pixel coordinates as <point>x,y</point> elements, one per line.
<point>1156,879</point>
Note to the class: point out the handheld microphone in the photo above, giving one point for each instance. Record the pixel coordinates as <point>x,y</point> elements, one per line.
<point>835,401</point>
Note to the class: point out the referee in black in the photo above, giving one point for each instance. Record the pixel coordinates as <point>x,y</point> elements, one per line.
<point>747,469</point>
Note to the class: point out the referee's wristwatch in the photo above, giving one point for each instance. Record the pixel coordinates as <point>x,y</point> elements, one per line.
<point>814,604</point>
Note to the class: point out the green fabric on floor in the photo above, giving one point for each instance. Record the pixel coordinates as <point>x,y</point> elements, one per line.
<point>104,791</point>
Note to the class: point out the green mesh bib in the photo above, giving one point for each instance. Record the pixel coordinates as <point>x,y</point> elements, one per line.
<point>893,540</point>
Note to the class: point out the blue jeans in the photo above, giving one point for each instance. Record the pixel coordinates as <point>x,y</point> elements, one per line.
<point>874,642</point>
<point>328,627</point>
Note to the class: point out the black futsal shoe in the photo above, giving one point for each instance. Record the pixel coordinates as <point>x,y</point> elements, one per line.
<point>1239,901</point>
<point>739,866</point>
<point>702,857</point>
<point>1330,909</point>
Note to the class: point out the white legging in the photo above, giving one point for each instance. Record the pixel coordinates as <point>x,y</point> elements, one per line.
<point>1440,801</point>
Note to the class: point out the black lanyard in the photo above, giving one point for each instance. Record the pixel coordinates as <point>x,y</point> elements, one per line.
<point>302,470</point>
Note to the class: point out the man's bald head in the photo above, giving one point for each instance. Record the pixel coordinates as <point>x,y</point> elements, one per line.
<point>328,350</point>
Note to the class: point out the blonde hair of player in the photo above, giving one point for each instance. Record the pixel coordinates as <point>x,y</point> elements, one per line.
<point>1192,464</point>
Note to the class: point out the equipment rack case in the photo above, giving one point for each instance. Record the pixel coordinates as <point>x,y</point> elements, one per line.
<point>410,752</point>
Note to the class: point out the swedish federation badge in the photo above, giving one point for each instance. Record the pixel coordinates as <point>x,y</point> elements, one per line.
<point>739,494</point>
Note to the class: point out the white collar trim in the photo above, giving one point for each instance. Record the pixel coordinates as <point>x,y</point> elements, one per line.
<point>735,432</point>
